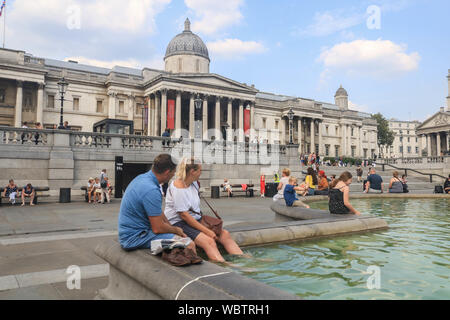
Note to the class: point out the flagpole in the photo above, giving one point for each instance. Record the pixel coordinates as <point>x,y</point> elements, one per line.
<point>4,28</point>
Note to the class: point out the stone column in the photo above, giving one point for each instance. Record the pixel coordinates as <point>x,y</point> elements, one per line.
<point>420,145</point>
<point>438,144</point>
<point>241,121</point>
<point>112,105</point>
<point>428,145</point>
<point>283,131</point>
<point>300,149</point>
<point>205,118</point>
<point>163,110</point>
<point>40,104</point>
<point>218,132</point>
<point>344,139</point>
<point>131,107</point>
<point>320,124</point>
<point>149,116</point>
<point>178,115</point>
<point>157,118</point>
<point>19,101</point>
<point>230,119</point>
<point>252,123</point>
<point>361,138</point>
<point>349,145</point>
<point>313,134</point>
<point>192,116</point>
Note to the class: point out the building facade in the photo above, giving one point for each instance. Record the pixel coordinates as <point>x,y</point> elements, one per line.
<point>406,143</point>
<point>156,100</point>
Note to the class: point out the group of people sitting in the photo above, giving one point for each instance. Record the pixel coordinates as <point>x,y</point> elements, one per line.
<point>99,189</point>
<point>12,192</point>
<point>142,219</point>
<point>374,183</point>
<point>337,189</point>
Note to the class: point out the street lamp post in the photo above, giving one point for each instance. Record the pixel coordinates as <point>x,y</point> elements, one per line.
<point>62,86</point>
<point>198,118</point>
<point>291,126</point>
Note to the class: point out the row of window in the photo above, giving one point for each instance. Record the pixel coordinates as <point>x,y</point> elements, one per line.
<point>336,151</point>
<point>99,107</point>
<point>409,139</point>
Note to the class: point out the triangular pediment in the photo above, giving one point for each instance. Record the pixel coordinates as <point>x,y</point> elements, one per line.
<point>214,80</point>
<point>440,119</point>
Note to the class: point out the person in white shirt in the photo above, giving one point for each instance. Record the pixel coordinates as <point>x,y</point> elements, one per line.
<point>285,175</point>
<point>183,210</point>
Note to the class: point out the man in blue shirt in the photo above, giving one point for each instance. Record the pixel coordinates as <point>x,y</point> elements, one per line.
<point>290,194</point>
<point>374,182</point>
<point>141,219</point>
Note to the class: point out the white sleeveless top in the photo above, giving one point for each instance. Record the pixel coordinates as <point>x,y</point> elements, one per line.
<point>182,200</point>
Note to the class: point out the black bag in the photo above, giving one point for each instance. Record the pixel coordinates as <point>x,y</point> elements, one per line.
<point>438,189</point>
<point>405,188</point>
<point>104,185</point>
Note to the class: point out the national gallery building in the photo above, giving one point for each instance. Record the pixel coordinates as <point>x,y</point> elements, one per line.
<point>156,100</point>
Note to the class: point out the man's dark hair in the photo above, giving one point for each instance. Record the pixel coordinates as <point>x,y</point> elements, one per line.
<point>162,163</point>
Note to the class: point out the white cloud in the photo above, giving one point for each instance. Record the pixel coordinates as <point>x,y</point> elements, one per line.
<point>330,22</point>
<point>214,16</point>
<point>235,48</point>
<point>133,16</point>
<point>380,58</point>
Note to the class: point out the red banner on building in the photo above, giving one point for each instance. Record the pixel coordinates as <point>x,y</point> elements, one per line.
<point>247,122</point>
<point>171,114</point>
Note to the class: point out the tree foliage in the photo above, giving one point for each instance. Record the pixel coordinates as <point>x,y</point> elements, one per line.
<point>385,136</point>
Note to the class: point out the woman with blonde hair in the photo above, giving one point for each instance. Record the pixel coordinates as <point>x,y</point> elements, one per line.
<point>183,210</point>
<point>286,174</point>
<point>339,195</point>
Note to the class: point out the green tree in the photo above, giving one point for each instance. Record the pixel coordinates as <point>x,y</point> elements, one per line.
<point>385,136</point>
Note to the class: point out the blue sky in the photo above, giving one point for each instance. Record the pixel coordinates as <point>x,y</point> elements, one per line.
<point>391,56</point>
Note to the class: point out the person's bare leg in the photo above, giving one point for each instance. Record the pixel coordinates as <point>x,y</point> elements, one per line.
<point>23,199</point>
<point>229,244</point>
<point>209,245</point>
<point>31,200</point>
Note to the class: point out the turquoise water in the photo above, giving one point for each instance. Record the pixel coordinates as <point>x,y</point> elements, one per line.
<point>413,256</point>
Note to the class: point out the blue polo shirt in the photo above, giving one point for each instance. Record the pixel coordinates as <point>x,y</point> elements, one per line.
<point>142,199</point>
<point>290,196</point>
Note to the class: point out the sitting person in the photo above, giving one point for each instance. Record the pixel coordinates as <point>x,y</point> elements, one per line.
<point>28,191</point>
<point>339,195</point>
<point>285,175</point>
<point>395,185</point>
<point>90,189</point>
<point>290,194</point>
<point>227,188</point>
<point>97,191</point>
<point>141,219</point>
<point>374,182</point>
<point>447,185</point>
<point>322,189</point>
<point>11,191</point>
<point>183,211</point>
<point>311,180</point>
<point>405,183</point>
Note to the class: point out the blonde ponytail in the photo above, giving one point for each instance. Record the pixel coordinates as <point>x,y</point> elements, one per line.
<point>184,167</point>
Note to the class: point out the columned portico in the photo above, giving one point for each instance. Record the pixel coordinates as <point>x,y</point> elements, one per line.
<point>313,134</point>
<point>178,114</point>
<point>320,138</point>
<point>230,119</point>
<point>218,133</point>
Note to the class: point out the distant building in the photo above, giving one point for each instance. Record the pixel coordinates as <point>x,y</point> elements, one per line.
<point>406,143</point>
<point>158,99</point>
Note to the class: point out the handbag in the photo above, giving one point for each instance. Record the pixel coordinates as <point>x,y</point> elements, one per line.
<point>214,224</point>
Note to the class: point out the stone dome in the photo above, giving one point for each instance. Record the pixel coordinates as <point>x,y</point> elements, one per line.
<point>187,43</point>
<point>341,92</point>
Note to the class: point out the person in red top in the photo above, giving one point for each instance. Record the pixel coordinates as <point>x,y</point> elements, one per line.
<point>263,185</point>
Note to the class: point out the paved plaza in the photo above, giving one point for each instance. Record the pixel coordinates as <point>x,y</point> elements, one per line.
<point>38,244</point>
